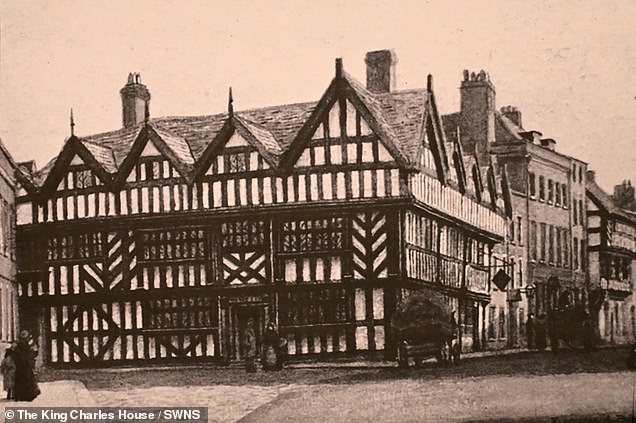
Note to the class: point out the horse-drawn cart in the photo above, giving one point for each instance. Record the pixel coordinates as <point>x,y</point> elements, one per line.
<point>425,328</point>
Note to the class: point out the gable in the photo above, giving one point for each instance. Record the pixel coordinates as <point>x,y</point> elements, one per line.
<point>343,136</point>
<point>150,150</point>
<point>237,155</point>
<point>236,140</point>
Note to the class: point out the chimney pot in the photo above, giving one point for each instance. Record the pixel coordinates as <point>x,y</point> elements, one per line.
<point>380,70</point>
<point>591,175</point>
<point>548,143</point>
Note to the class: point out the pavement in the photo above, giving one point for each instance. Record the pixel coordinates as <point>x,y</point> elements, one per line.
<point>377,400</point>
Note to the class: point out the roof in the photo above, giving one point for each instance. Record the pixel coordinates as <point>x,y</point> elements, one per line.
<point>397,117</point>
<point>605,201</point>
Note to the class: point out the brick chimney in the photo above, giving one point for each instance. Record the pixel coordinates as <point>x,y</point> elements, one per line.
<point>548,144</point>
<point>591,175</point>
<point>512,113</point>
<point>380,71</point>
<point>135,99</point>
<point>624,195</point>
<point>477,122</point>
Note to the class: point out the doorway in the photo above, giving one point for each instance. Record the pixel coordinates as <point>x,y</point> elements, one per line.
<point>240,315</point>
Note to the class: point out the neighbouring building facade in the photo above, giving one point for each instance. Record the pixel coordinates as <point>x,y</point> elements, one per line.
<point>8,285</point>
<point>545,249</point>
<point>157,241</point>
<point>612,250</point>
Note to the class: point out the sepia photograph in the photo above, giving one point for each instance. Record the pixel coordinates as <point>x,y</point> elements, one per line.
<point>317,211</point>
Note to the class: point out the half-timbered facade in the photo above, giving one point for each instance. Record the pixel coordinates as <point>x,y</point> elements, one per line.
<point>157,241</point>
<point>612,249</point>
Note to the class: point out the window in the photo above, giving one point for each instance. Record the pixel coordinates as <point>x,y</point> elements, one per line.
<point>184,244</point>
<point>575,253</point>
<point>550,191</point>
<point>512,231</point>
<point>581,212</point>
<point>558,247</point>
<point>580,175</point>
<point>533,239</point>
<point>565,195</point>
<point>557,194</point>
<point>551,244</point>
<point>241,234</point>
<point>519,229</point>
<point>236,162</point>
<point>312,235</point>
<point>87,245</point>
<point>575,214</point>
<point>542,242</point>
<point>323,306</point>
<point>531,183</point>
<point>181,313</point>
<point>566,248</point>
<point>573,173</point>
<point>541,188</point>
<point>512,272</point>
<point>520,273</point>
<point>84,179</point>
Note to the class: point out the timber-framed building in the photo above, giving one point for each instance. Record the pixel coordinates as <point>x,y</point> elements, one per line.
<point>156,242</point>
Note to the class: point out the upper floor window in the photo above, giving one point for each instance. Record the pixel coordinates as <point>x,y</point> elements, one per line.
<point>519,229</point>
<point>575,214</point>
<point>541,188</point>
<point>550,191</point>
<point>531,183</point>
<point>241,234</point>
<point>533,239</point>
<point>573,173</point>
<point>180,244</point>
<point>580,174</point>
<point>581,212</point>
<point>557,194</point>
<point>575,253</point>
<point>312,235</point>
<point>565,195</point>
<point>542,242</point>
<point>236,162</point>
<point>84,179</point>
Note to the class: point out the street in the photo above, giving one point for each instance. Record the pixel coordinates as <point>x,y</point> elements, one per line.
<point>533,386</point>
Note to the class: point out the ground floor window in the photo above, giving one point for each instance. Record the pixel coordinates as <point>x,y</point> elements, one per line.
<point>181,313</point>
<point>319,306</point>
<point>491,322</point>
<point>502,323</point>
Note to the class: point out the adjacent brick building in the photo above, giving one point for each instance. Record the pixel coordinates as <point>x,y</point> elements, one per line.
<point>545,248</point>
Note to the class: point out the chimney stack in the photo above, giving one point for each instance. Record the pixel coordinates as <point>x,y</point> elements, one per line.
<point>512,113</point>
<point>548,144</point>
<point>135,99</point>
<point>624,195</point>
<point>477,110</point>
<point>591,175</point>
<point>380,71</point>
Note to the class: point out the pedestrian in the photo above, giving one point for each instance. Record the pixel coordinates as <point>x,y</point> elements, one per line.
<point>8,372</point>
<point>249,346</point>
<point>530,328</point>
<point>25,386</point>
<point>540,332</point>
<point>270,355</point>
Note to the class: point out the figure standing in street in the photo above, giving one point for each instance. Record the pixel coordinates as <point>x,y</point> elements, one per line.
<point>8,372</point>
<point>25,386</point>
<point>271,357</point>
<point>540,332</point>
<point>249,346</point>
<point>530,328</point>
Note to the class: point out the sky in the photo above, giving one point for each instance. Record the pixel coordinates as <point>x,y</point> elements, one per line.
<point>570,67</point>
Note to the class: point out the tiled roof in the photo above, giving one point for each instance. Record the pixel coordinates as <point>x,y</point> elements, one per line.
<point>176,143</point>
<point>398,116</point>
<point>607,202</point>
<point>283,122</point>
<point>103,155</point>
<point>405,112</point>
